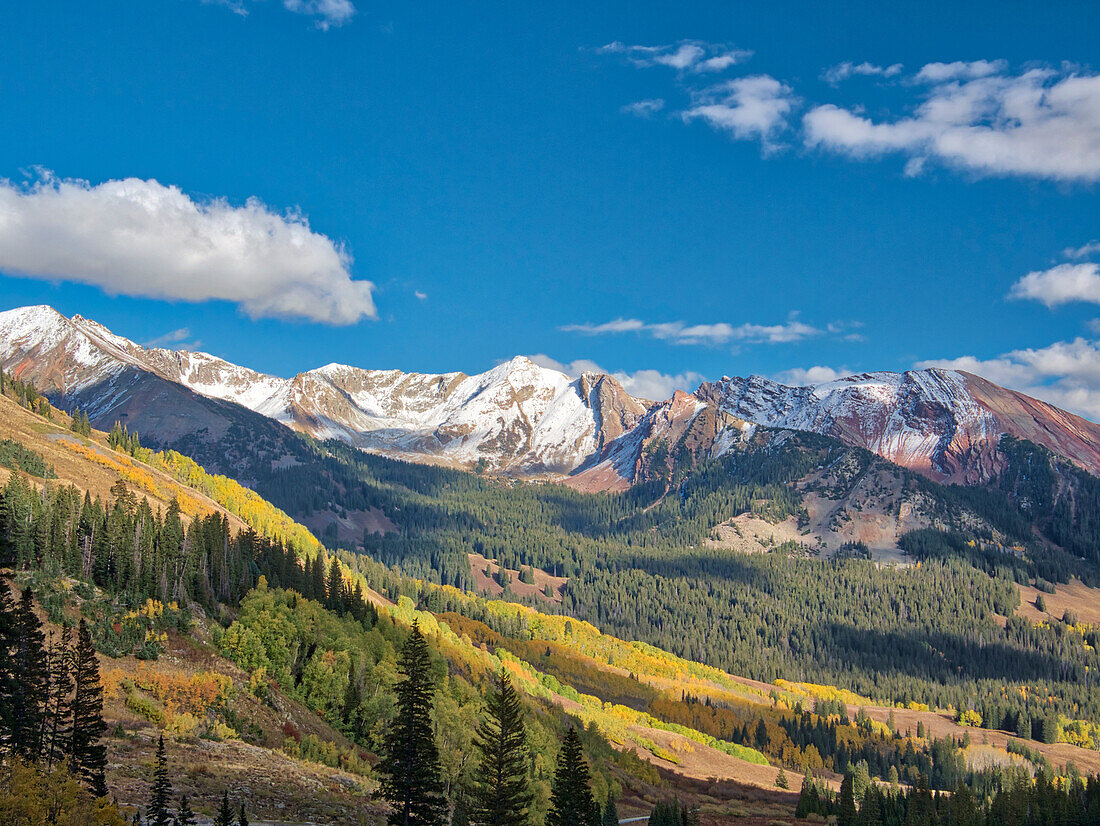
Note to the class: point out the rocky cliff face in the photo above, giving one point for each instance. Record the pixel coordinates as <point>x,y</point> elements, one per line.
<point>942,423</point>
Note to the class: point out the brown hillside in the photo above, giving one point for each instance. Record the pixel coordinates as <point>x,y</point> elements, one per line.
<point>92,466</point>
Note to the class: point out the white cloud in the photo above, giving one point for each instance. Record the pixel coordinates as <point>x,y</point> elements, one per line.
<point>803,376</point>
<point>420,294</point>
<point>678,332</point>
<point>746,108</point>
<point>141,238</point>
<point>960,70</point>
<point>327,14</point>
<point>1062,284</point>
<point>174,340</point>
<point>1066,373</point>
<point>847,69</point>
<point>976,117</point>
<point>685,56</point>
<point>645,384</point>
<point>644,108</point>
<point>1084,251</point>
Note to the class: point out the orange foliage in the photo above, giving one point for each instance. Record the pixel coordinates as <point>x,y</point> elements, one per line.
<point>179,693</point>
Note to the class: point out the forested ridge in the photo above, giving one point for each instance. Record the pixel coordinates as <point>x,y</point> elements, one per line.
<point>638,567</point>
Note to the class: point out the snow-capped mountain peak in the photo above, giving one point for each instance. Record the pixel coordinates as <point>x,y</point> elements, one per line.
<point>519,417</point>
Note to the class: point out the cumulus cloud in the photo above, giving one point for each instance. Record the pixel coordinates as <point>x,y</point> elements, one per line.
<point>678,332</point>
<point>645,384</point>
<point>977,117</point>
<point>142,238</point>
<point>746,108</point>
<point>1066,373</point>
<point>644,108</point>
<point>803,376</point>
<point>842,71</point>
<point>1062,284</point>
<point>327,14</point>
<point>421,295</point>
<point>685,56</point>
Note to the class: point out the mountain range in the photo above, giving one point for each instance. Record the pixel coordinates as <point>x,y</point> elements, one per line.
<point>521,419</point>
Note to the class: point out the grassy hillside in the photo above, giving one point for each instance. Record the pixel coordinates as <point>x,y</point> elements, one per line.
<point>92,465</point>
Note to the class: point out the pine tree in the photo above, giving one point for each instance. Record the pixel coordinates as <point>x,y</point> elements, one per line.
<point>846,815</point>
<point>224,817</point>
<point>156,813</point>
<point>57,737</point>
<point>501,794</point>
<point>870,810</point>
<point>412,779</point>
<point>571,802</point>
<point>809,800</point>
<point>335,586</point>
<point>781,779</point>
<point>8,684</point>
<point>89,755</point>
<point>32,680</point>
<point>184,815</point>
<point>242,818</point>
<point>610,811</point>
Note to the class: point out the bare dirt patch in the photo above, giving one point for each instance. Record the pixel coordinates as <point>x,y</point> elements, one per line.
<point>350,525</point>
<point>939,725</point>
<point>1073,596</point>
<point>701,762</point>
<point>487,571</point>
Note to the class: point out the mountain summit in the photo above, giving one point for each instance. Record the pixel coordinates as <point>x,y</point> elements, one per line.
<point>516,418</point>
<point>522,419</point>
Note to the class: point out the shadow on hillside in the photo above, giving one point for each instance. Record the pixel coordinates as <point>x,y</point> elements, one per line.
<point>943,657</point>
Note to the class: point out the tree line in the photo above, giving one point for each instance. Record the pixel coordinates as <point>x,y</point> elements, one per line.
<point>1016,800</point>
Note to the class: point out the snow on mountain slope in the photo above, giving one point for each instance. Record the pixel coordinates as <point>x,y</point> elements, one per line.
<point>942,423</point>
<point>517,417</point>
<point>682,429</point>
<point>524,419</point>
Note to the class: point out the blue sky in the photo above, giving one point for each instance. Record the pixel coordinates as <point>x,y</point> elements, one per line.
<point>693,190</point>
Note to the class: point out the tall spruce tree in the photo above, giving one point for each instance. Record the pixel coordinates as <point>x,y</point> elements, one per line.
<point>89,755</point>
<point>571,801</point>
<point>58,731</point>
<point>846,813</point>
<point>610,811</point>
<point>411,776</point>
<point>224,817</point>
<point>32,680</point>
<point>8,684</point>
<point>156,813</point>
<point>185,816</point>
<point>335,587</point>
<point>501,793</point>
